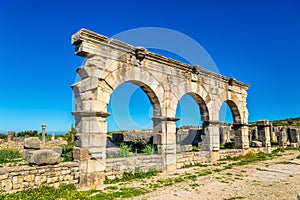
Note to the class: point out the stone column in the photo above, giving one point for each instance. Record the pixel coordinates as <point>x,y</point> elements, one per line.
<point>282,137</point>
<point>165,138</point>
<point>43,133</point>
<point>241,136</point>
<point>263,127</point>
<point>10,136</point>
<point>211,140</point>
<point>90,147</point>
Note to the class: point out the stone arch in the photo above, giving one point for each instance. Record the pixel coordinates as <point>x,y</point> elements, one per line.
<point>202,105</point>
<point>143,79</point>
<point>236,116</point>
<point>199,94</point>
<point>235,105</point>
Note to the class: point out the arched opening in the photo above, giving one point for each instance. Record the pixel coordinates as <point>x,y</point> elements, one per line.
<point>192,112</point>
<point>132,106</point>
<point>230,116</point>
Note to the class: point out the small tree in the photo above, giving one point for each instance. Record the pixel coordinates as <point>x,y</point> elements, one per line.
<point>71,135</point>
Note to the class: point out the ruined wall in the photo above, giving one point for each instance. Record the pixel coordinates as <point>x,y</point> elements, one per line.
<point>116,166</point>
<point>12,145</point>
<point>13,179</point>
<point>190,158</point>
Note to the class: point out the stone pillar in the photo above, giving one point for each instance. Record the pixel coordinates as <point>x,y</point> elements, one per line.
<point>165,139</point>
<point>52,137</point>
<point>294,137</point>
<point>263,127</point>
<point>43,133</point>
<point>10,136</point>
<point>90,147</point>
<point>241,136</point>
<point>211,141</point>
<point>282,137</point>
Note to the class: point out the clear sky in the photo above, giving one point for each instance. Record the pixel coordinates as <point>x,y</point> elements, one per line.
<point>255,41</point>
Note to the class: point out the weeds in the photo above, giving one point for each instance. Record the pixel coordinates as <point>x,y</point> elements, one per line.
<point>7,156</point>
<point>149,149</point>
<point>124,151</point>
<point>127,176</point>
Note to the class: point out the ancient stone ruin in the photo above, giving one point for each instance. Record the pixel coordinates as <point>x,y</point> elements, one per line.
<point>110,63</point>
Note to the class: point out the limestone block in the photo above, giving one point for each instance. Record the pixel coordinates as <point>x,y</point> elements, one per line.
<point>57,150</point>
<point>6,185</point>
<point>29,178</point>
<point>185,148</point>
<point>41,157</point>
<point>80,154</point>
<point>32,143</point>
<point>256,144</point>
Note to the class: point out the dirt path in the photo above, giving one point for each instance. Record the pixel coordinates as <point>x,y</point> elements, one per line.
<point>278,178</point>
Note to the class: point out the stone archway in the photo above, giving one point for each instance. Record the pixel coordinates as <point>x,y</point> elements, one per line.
<point>237,105</point>
<point>110,63</point>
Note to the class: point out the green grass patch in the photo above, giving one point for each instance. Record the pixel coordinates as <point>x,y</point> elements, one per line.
<point>7,156</point>
<point>127,176</point>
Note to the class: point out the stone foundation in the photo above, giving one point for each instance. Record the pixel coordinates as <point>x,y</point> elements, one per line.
<point>13,179</point>
<point>116,166</point>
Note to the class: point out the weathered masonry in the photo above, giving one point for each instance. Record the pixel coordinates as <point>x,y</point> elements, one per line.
<point>110,63</point>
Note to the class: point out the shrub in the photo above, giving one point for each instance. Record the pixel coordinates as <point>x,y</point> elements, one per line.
<point>124,150</point>
<point>70,136</point>
<point>149,149</point>
<point>229,145</point>
<point>67,152</point>
<point>3,136</point>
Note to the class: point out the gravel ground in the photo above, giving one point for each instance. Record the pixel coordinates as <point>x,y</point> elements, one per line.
<point>274,179</point>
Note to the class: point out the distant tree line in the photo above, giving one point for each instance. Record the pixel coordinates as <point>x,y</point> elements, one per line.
<point>28,133</point>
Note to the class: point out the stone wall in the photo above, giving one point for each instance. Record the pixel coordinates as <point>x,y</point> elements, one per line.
<point>13,179</point>
<point>190,158</point>
<point>12,145</point>
<point>116,166</point>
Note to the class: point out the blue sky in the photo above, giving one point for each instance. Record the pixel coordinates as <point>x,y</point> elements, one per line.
<point>256,42</point>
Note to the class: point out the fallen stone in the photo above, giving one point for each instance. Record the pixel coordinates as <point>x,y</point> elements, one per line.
<point>43,157</point>
<point>112,152</point>
<point>57,150</point>
<point>32,143</point>
<point>256,144</point>
<point>187,147</point>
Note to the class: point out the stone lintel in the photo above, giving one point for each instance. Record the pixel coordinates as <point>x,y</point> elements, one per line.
<point>88,43</point>
<point>91,114</point>
<point>174,119</point>
<point>239,125</point>
<point>263,123</point>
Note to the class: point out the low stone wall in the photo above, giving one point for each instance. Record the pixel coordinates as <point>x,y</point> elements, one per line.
<point>231,153</point>
<point>12,145</point>
<point>13,179</point>
<point>190,158</point>
<point>116,166</point>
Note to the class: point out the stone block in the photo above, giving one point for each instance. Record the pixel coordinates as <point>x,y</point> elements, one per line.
<point>80,154</point>
<point>42,157</point>
<point>57,150</point>
<point>256,144</point>
<point>32,143</point>
<point>185,148</point>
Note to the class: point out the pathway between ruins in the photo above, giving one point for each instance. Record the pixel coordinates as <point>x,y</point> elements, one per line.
<point>273,179</point>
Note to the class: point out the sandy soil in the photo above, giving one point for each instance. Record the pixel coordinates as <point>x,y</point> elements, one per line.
<point>278,178</point>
